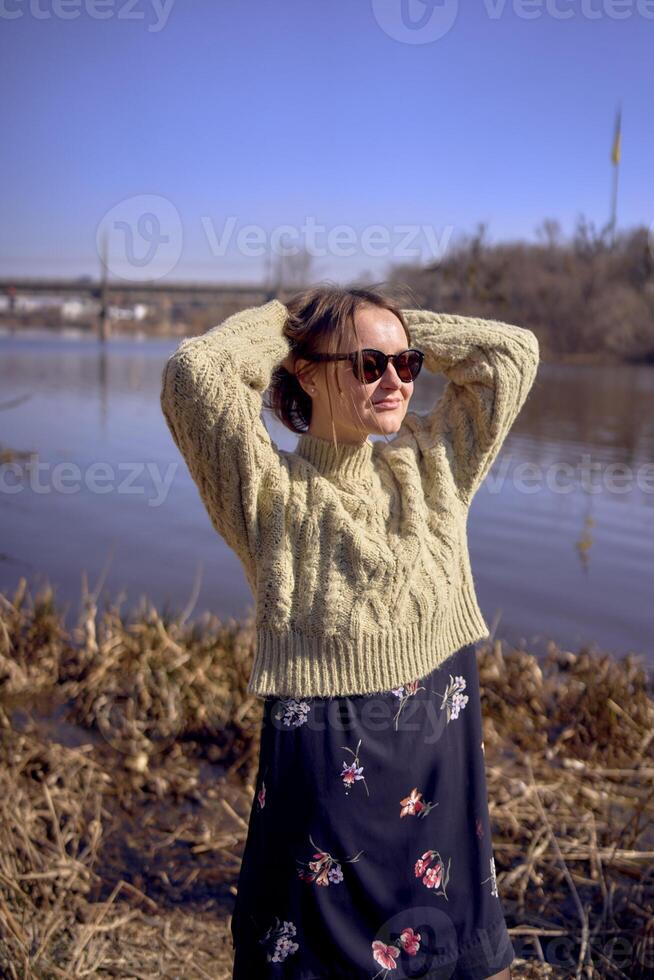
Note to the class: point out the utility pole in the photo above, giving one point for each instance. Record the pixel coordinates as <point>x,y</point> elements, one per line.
<point>11,293</point>
<point>269,285</point>
<point>103,317</point>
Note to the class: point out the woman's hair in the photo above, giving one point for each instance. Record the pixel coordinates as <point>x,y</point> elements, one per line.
<point>320,319</point>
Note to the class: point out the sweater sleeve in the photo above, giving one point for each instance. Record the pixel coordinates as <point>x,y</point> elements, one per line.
<point>490,367</point>
<point>211,398</point>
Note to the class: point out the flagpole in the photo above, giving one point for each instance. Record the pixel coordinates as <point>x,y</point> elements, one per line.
<point>614,201</point>
<point>615,158</point>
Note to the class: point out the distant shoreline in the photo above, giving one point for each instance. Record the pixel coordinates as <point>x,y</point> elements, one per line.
<point>61,332</point>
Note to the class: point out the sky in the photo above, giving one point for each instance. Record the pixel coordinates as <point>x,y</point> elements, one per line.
<point>195,139</point>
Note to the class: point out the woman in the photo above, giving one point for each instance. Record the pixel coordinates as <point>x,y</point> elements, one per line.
<point>368,851</point>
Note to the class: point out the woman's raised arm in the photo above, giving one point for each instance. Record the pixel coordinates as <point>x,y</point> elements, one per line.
<point>490,367</point>
<point>211,398</point>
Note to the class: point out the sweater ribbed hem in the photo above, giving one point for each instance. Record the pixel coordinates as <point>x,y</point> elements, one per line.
<point>294,664</point>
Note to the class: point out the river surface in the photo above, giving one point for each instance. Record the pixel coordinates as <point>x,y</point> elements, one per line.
<point>561,533</point>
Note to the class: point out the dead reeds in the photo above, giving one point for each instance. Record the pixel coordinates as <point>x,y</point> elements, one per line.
<point>571,789</point>
<point>127,756</point>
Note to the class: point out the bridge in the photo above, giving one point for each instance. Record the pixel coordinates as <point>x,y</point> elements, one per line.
<point>163,295</point>
<point>136,291</point>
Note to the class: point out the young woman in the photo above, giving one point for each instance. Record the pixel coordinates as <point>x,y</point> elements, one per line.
<point>369,850</point>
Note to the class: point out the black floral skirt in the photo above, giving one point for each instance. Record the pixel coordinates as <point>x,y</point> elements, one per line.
<point>369,852</point>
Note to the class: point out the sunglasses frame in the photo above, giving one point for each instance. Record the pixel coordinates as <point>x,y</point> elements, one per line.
<point>354,357</point>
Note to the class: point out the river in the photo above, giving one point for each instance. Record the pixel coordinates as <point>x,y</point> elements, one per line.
<point>561,533</point>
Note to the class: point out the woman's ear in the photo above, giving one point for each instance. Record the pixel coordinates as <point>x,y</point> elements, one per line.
<point>304,372</point>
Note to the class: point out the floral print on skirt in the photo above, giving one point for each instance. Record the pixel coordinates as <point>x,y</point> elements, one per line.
<point>368,851</point>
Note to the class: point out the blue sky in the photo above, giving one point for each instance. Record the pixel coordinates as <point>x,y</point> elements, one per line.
<point>169,122</point>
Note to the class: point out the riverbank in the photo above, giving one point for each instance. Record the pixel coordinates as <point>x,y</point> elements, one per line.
<point>128,753</point>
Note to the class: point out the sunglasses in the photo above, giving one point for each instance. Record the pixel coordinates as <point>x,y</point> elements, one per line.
<point>372,363</point>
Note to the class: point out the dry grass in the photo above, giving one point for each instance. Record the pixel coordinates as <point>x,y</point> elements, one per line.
<point>127,757</point>
<point>569,745</point>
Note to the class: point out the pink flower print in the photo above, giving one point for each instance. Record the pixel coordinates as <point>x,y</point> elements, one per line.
<point>414,805</point>
<point>404,693</point>
<point>261,796</point>
<point>422,863</point>
<point>410,941</point>
<point>479,827</point>
<point>351,773</point>
<point>322,878</point>
<point>434,875</point>
<point>385,955</point>
<point>323,869</point>
<point>354,772</point>
<point>411,804</point>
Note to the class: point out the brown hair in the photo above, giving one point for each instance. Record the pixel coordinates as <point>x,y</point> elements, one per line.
<point>318,320</point>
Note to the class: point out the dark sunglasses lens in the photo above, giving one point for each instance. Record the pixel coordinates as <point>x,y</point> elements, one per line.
<point>408,366</point>
<point>372,364</point>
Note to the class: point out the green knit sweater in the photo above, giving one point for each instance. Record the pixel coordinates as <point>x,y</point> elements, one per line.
<point>356,555</point>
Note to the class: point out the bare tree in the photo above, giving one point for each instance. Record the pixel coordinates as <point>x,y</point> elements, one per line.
<point>291,269</point>
<point>550,232</point>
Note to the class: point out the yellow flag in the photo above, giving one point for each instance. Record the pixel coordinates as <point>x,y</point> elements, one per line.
<point>616,148</point>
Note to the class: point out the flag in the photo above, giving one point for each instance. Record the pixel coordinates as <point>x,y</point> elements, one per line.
<point>616,148</point>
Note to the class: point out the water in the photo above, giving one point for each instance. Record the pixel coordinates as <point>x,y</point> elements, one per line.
<point>556,556</point>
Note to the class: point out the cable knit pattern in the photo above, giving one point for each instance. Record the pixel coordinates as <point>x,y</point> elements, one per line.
<point>356,555</point>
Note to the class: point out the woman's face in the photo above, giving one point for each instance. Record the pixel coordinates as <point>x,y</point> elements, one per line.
<point>358,408</point>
